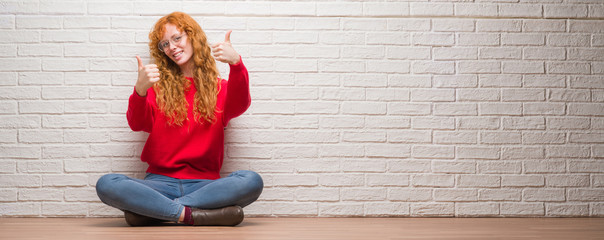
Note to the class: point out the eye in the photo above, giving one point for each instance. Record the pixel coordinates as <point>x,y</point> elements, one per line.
<point>177,39</point>
<point>163,45</point>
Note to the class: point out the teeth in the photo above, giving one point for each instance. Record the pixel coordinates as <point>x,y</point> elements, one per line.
<point>178,54</point>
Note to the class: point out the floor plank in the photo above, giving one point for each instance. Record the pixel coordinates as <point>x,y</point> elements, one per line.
<point>311,228</point>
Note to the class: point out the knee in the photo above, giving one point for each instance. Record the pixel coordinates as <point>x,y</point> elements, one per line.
<point>106,184</point>
<point>253,181</point>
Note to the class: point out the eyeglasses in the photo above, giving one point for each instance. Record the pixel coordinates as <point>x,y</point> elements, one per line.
<point>176,40</point>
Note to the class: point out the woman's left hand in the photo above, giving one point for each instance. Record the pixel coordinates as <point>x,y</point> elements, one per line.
<point>224,51</point>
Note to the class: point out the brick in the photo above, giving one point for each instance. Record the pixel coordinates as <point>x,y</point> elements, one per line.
<point>8,195</point>
<point>586,109</point>
<point>409,24</point>
<point>295,209</point>
<point>524,123</point>
<point>341,151</point>
<point>386,209</point>
<point>363,194</point>
<point>432,95</point>
<point>476,209</point>
<point>586,138</point>
<point>551,81</point>
<point>442,137</point>
<point>499,167</point>
<point>341,122</point>
<point>560,123</point>
<point>323,165</point>
<point>522,181</point>
<point>20,180</point>
<point>316,52</point>
<point>433,180</point>
<point>317,137</point>
<point>386,94</point>
<point>20,122</point>
<point>387,150</point>
<point>388,38</point>
<point>585,194</point>
<point>422,53</point>
<point>317,194</point>
<point>545,166</point>
<point>453,25</point>
<point>387,122</point>
<point>568,40</point>
<point>498,25</point>
<point>292,9</point>
<point>479,67</point>
<point>568,151</point>
<point>409,136</point>
<point>409,166</point>
<point>365,108</point>
<point>295,152</point>
<point>500,80</point>
<point>475,9</point>
<point>29,209</point>
<point>478,152</point>
<point>390,66</point>
<point>455,109</point>
<point>407,81</point>
<point>458,81</point>
<point>364,24</point>
<point>543,195</point>
<point>366,80</point>
<point>314,23</point>
<point>261,23</point>
<point>385,9</point>
<point>340,209</point>
<point>522,209</point>
<point>513,95</point>
<point>499,195</point>
<point>341,180</point>
<point>478,39</point>
<point>585,167</point>
<point>433,39</point>
<point>516,39</point>
<point>455,195</point>
<point>364,166</point>
<point>432,209</point>
<point>453,167</point>
<point>541,53</point>
<point>507,109</point>
<point>37,194</point>
<point>567,180</point>
<point>441,123</point>
<point>500,53</point>
<point>431,9</point>
<point>543,25</point>
<point>486,123</point>
<point>567,209</point>
<point>29,151</point>
<point>339,9</point>
<point>47,107</point>
<point>520,10</point>
<point>340,66</point>
<point>87,22</point>
<point>523,67</point>
<point>408,109</point>
<point>64,209</point>
<point>381,179</point>
<point>64,180</point>
<point>564,11</point>
<point>410,194</point>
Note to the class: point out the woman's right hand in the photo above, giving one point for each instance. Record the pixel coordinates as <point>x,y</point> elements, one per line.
<point>147,76</point>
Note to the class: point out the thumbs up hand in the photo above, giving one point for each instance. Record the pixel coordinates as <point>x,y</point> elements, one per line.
<point>224,51</point>
<point>147,76</point>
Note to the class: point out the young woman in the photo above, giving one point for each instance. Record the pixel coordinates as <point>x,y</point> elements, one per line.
<point>184,105</point>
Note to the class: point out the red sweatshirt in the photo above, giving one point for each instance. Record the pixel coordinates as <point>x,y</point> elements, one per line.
<point>194,150</point>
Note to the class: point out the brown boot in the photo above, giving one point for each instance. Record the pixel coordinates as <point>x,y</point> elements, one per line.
<point>227,216</point>
<point>137,220</point>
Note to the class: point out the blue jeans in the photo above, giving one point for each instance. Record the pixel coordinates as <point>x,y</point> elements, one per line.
<point>164,197</point>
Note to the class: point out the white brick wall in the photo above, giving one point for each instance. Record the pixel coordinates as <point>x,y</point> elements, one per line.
<point>397,108</point>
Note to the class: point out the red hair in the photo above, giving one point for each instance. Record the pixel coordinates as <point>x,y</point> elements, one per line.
<point>170,90</point>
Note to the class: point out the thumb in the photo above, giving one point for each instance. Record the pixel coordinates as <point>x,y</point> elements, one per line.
<point>227,37</point>
<point>140,62</point>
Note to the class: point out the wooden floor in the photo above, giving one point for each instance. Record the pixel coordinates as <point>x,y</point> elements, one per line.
<point>312,228</point>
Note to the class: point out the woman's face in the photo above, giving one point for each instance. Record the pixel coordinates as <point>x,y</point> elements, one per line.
<point>176,45</point>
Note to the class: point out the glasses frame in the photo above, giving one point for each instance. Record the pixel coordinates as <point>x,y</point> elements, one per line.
<point>171,41</point>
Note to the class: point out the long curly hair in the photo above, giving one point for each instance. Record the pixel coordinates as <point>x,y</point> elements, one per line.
<point>170,90</point>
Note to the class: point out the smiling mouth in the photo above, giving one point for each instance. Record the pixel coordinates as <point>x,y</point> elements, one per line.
<point>177,54</point>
